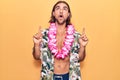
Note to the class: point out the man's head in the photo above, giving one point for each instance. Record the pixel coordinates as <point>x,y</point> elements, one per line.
<point>61,13</point>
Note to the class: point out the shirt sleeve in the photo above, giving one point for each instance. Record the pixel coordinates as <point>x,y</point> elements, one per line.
<point>75,48</point>
<point>44,42</point>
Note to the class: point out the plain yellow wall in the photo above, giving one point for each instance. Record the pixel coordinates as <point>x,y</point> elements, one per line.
<point>20,19</point>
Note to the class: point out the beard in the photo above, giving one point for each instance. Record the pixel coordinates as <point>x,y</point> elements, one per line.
<point>60,22</point>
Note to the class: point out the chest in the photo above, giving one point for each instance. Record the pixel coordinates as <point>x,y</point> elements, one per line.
<point>60,40</point>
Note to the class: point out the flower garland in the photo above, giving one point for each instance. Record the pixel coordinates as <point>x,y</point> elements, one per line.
<point>64,52</point>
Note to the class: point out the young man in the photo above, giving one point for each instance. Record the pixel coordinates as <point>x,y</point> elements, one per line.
<point>60,47</point>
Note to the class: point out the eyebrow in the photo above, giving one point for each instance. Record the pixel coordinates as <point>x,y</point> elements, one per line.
<point>65,7</point>
<point>59,6</point>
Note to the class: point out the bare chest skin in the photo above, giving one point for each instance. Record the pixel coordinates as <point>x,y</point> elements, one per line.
<point>61,66</point>
<point>60,39</point>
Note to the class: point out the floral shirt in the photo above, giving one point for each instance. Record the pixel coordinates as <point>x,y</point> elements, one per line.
<point>48,59</point>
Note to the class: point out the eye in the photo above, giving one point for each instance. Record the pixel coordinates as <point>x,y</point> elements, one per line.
<point>65,8</point>
<point>57,8</point>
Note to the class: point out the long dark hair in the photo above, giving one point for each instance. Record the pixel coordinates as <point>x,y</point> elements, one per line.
<point>68,21</point>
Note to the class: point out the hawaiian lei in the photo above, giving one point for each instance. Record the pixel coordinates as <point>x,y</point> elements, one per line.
<point>64,52</point>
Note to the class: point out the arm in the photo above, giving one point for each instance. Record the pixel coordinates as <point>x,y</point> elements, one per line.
<point>36,48</point>
<point>36,52</point>
<point>82,53</point>
<point>83,40</point>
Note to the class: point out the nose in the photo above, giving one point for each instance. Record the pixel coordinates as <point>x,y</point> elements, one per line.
<point>61,10</point>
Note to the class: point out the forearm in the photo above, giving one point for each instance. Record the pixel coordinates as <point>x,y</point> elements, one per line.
<point>82,53</point>
<point>36,52</point>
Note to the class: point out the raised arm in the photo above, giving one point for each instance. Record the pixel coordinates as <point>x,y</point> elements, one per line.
<point>37,38</point>
<point>83,40</point>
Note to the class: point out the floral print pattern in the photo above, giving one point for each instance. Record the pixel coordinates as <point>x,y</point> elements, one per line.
<point>48,59</point>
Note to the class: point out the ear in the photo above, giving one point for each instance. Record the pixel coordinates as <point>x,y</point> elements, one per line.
<point>68,14</point>
<point>53,13</point>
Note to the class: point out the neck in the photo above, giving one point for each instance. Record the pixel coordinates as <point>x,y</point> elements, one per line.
<point>61,27</point>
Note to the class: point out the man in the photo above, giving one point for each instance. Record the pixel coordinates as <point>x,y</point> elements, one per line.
<point>60,47</point>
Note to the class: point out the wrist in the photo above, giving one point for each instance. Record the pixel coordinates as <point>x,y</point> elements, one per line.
<point>83,47</point>
<point>36,45</point>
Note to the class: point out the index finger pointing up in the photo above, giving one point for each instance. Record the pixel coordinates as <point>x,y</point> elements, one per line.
<point>39,30</point>
<point>83,32</point>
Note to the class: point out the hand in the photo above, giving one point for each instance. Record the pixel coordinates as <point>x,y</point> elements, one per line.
<point>83,40</point>
<point>37,38</point>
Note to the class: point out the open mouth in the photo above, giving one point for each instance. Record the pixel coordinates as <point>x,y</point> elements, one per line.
<point>61,16</point>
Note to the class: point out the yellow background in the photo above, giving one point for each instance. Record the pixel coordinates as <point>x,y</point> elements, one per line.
<point>20,19</point>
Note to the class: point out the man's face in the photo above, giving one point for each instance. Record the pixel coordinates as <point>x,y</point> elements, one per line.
<point>61,13</point>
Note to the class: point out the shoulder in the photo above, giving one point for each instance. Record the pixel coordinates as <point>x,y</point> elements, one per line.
<point>45,31</point>
<point>45,35</point>
<point>76,34</point>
